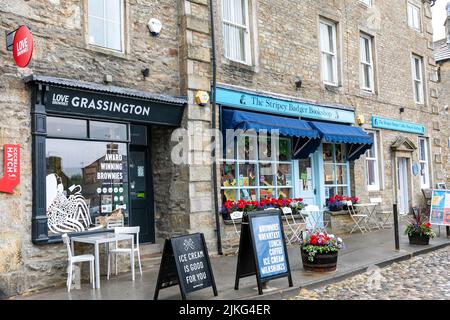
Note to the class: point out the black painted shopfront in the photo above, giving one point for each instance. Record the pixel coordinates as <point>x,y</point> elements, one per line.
<point>91,156</point>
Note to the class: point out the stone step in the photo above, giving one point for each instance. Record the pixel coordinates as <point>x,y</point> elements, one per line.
<point>151,260</point>
<point>150,248</point>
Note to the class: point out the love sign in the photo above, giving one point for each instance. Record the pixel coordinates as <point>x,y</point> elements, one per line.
<point>23,46</point>
<point>11,166</point>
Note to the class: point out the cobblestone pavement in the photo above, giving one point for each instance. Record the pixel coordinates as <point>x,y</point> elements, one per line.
<point>423,277</point>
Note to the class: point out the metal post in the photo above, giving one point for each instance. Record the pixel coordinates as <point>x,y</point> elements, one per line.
<point>448,231</point>
<point>397,240</point>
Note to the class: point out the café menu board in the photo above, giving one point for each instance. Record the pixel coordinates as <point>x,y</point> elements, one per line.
<point>440,207</point>
<point>193,266</point>
<point>262,250</point>
<point>269,246</point>
<point>185,262</point>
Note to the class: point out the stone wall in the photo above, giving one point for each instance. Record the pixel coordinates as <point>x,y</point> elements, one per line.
<point>444,105</point>
<point>59,29</point>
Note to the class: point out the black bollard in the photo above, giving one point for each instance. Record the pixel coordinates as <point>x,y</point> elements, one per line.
<point>397,240</point>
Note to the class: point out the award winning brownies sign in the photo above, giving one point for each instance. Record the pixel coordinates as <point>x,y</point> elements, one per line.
<point>11,168</point>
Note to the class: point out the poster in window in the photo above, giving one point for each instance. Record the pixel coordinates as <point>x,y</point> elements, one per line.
<point>86,181</point>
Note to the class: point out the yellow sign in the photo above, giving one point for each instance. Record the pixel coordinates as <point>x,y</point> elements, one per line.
<point>202,98</point>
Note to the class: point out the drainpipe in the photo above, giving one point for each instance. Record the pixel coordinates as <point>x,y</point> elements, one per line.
<point>214,126</point>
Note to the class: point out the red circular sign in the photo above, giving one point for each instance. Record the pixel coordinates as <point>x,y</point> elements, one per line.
<point>23,47</point>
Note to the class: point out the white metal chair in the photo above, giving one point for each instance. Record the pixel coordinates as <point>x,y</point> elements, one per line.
<point>75,259</point>
<point>385,214</point>
<point>236,215</point>
<point>130,251</point>
<point>294,224</point>
<point>359,219</point>
<point>314,218</point>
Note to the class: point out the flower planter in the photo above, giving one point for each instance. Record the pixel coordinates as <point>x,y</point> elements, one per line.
<point>323,262</point>
<point>332,208</point>
<point>419,239</point>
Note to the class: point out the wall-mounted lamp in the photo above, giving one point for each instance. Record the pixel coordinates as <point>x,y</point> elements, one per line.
<point>145,72</point>
<point>298,83</point>
<point>360,119</point>
<point>402,110</point>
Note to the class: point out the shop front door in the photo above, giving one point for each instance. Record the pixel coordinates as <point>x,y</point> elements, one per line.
<point>141,194</point>
<point>305,181</point>
<point>403,195</point>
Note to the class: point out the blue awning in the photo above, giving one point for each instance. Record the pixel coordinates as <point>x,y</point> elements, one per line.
<point>287,127</point>
<point>358,140</point>
<point>308,138</point>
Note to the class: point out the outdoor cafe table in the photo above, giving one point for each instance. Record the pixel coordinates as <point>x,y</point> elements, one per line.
<point>370,210</point>
<point>96,240</point>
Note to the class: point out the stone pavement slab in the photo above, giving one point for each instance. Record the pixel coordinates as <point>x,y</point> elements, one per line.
<point>362,251</point>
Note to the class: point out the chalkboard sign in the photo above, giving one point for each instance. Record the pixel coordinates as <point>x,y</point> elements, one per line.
<point>262,250</point>
<point>185,262</point>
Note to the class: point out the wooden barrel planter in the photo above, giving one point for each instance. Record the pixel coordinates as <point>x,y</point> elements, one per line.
<point>420,239</point>
<point>322,262</point>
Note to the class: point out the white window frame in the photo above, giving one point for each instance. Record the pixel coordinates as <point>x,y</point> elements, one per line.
<point>104,19</point>
<point>366,2</point>
<point>411,9</point>
<point>426,174</point>
<point>325,53</point>
<point>362,56</point>
<point>335,164</point>
<point>247,35</point>
<point>375,161</point>
<point>419,80</point>
<point>236,161</point>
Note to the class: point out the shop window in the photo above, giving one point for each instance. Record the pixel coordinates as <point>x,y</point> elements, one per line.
<point>86,182</point>
<point>328,50</point>
<point>336,170</point>
<point>261,169</point>
<point>423,161</point>
<point>108,131</point>
<point>64,127</point>
<point>105,22</point>
<point>236,30</point>
<point>372,175</point>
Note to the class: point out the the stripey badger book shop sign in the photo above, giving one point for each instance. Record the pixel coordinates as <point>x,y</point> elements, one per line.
<point>97,104</point>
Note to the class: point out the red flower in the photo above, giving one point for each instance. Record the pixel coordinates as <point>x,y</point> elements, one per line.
<point>427,225</point>
<point>313,239</point>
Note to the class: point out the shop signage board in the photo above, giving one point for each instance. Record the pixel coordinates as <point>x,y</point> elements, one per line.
<point>262,249</point>
<point>397,125</point>
<point>84,103</point>
<point>23,46</point>
<point>440,208</point>
<point>254,102</point>
<point>11,168</point>
<point>185,262</point>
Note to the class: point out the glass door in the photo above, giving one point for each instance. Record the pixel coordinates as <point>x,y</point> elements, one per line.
<point>305,181</point>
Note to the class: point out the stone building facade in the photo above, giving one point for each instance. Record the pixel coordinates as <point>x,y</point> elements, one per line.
<point>442,56</point>
<point>62,49</point>
<point>285,47</point>
<point>283,63</point>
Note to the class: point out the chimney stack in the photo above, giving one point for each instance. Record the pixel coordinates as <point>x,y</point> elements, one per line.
<point>447,23</point>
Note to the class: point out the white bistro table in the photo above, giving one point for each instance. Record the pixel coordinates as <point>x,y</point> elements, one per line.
<point>370,210</point>
<point>106,238</point>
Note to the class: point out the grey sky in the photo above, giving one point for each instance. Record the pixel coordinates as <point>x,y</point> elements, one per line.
<point>439,15</point>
